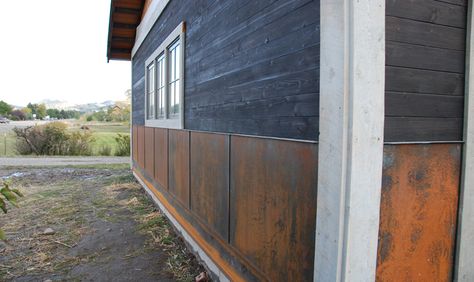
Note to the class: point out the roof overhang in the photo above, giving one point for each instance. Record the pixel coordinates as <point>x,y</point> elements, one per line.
<point>125,16</point>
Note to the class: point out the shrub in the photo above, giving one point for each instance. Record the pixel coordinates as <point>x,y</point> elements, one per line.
<point>123,145</point>
<point>52,139</point>
<point>105,150</point>
<point>80,143</point>
<point>7,195</point>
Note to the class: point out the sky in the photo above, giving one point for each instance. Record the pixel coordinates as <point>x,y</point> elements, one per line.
<point>56,49</point>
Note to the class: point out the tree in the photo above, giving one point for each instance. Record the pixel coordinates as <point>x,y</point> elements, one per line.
<point>5,109</point>
<point>18,115</point>
<point>53,113</point>
<point>41,111</point>
<point>27,112</point>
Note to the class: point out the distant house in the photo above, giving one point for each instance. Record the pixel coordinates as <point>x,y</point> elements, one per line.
<point>306,140</point>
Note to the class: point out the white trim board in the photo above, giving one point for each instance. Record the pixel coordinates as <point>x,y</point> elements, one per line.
<point>152,14</point>
<point>464,270</point>
<point>352,82</point>
<point>195,247</point>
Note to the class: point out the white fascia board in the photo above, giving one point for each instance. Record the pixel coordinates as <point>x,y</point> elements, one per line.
<point>153,12</point>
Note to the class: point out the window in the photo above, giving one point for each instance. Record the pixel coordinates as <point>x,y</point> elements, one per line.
<point>164,73</point>
<point>151,90</point>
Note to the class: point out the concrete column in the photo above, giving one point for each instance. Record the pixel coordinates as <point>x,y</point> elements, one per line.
<point>351,139</point>
<point>464,268</point>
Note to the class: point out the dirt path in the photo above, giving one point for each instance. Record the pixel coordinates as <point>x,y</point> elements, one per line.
<point>105,229</point>
<point>61,161</point>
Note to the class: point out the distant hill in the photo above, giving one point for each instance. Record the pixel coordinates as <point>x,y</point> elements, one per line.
<point>84,108</point>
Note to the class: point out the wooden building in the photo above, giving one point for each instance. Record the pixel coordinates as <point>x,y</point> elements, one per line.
<point>307,140</point>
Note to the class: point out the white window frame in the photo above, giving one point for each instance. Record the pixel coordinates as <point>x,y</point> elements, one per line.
<point>175,121</point>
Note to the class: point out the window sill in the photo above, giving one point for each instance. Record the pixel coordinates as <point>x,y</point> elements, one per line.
<point>164,123</point>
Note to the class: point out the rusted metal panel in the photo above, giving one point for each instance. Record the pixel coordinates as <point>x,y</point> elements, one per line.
<point>149,151</point>
<point>141,146</point>
<point>418,212</point>
<point>273,205</point>
<point>161,157</point>
<point>210,180</point>
<point>135,143</point>
<point>179,165</point>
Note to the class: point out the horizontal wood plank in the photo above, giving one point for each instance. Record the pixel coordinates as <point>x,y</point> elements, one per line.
<point>423,105</point>
<point>428,11</point>
<point>426,34</point>
<point>455,2</point>
<point>422,57</point>
<point>412,129</point>
<point>400,79</point>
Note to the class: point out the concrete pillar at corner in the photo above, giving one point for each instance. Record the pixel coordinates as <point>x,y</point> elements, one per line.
<point>351,139</point>
<point>464,268</point>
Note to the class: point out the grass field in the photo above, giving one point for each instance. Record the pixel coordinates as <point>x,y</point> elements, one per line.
<point>104,135</point>
<point>7,144</point>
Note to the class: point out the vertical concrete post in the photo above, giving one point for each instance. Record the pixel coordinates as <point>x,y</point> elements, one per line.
<point>464,268</point>
<point>351,139</point>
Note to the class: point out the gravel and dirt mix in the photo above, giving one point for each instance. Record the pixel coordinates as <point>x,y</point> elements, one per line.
<point>88,224</point>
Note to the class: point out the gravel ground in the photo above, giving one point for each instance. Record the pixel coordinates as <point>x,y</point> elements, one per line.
<point>59,161</point>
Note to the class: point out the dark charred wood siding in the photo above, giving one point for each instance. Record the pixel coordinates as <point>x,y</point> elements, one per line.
<point>251,67</point>
<point>425,58</point>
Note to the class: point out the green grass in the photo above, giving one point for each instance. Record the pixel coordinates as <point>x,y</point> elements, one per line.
<point>10,140</point>
<point>104,134</point>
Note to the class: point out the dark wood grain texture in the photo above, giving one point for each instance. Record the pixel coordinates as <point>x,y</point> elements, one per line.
<point>248,59</point>
<point>413,129</point>
<point>425,65</point>
<point>430,11</point>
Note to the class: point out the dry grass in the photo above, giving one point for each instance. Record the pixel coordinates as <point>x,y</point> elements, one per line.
<point>65,207</point>
<point>27,249</point>
<point>154,223</point>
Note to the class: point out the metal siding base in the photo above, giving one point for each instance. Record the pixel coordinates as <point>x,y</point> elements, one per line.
<point>196,249</point>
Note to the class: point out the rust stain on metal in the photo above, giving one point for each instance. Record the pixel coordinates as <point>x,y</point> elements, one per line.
<point>179,165</point>
<point>161,157</point>
<point>273,205</point>
<point>210,180</point>
<point>135,143</point>
<point>149,151</point>
<point>141,146</point>
<point>418,212</point>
